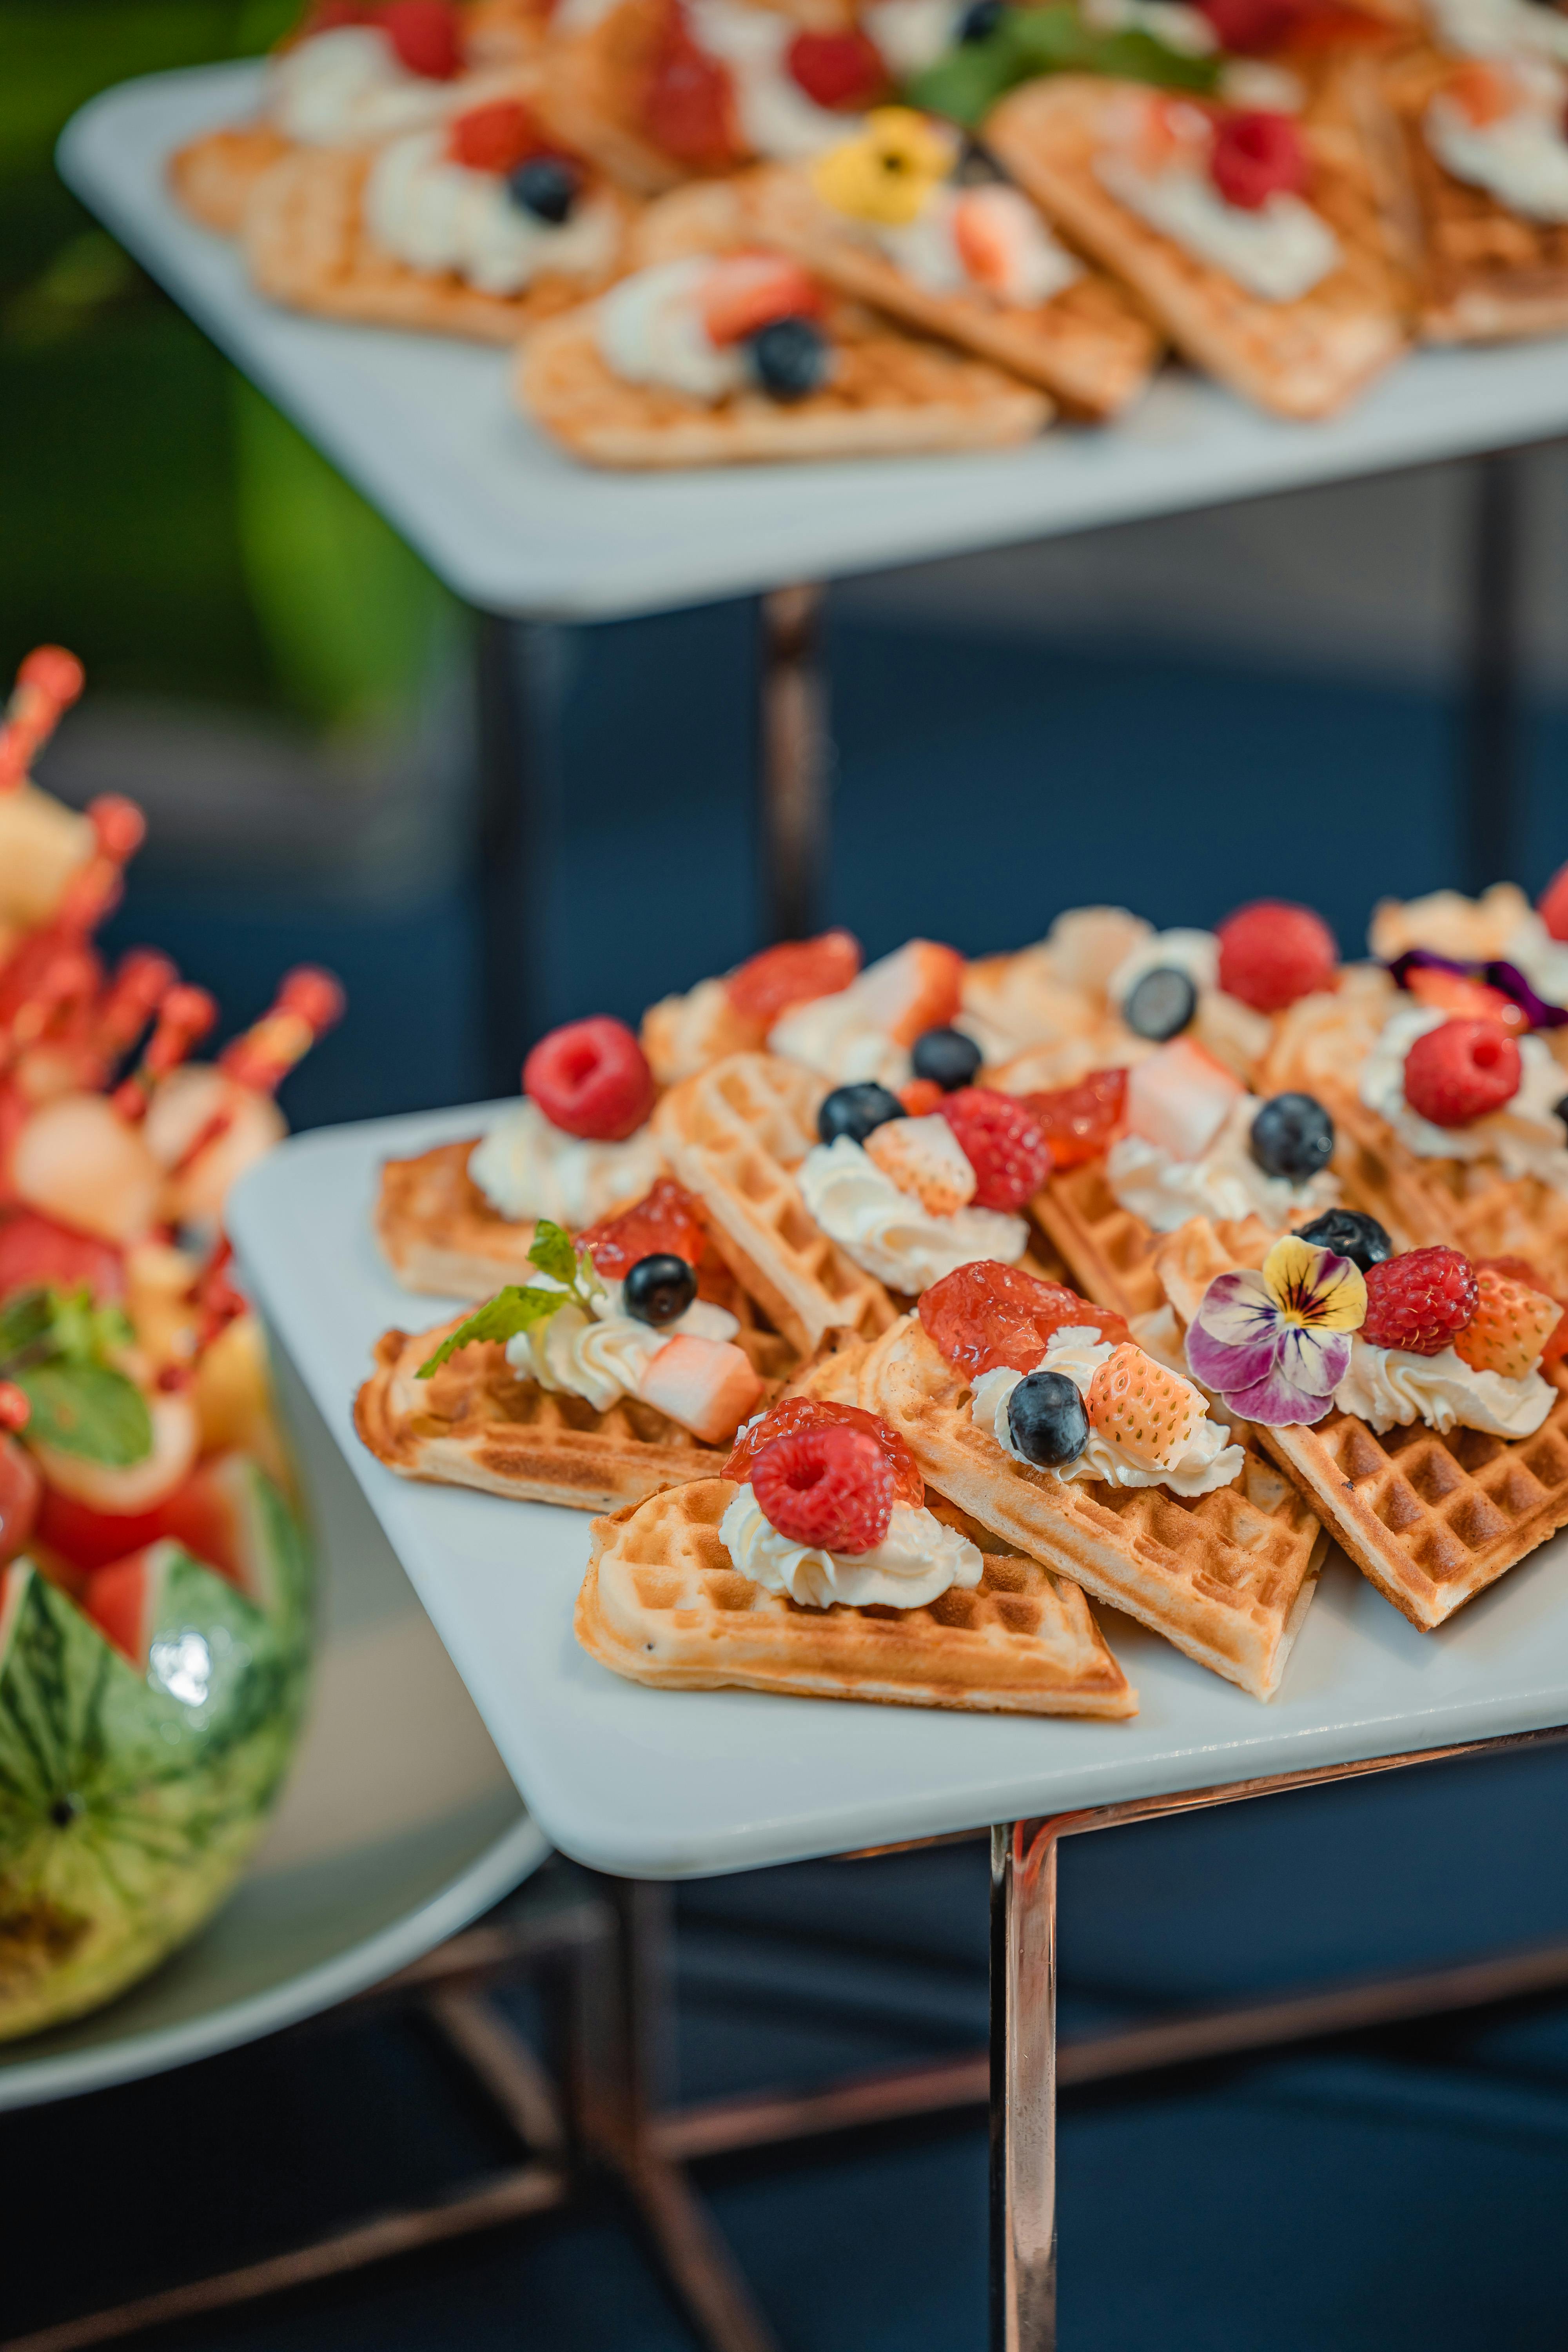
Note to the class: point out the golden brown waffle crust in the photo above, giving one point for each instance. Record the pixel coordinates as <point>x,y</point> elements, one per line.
<point>1110,1253</point>
<point>438,1233</point>
<point>1024,1643</point>
<point>1302,359</point>
<point>213,177</point>
<point>1184,1569</point>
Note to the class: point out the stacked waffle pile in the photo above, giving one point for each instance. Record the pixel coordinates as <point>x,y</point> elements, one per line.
<point>890,1315</point>
<point>731,230</point>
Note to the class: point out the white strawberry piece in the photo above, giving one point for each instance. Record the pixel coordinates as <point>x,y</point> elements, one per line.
<point>707,1385</point>
<point>924,1158</point>
<point>912,990</point>
<point>1179,1098</point>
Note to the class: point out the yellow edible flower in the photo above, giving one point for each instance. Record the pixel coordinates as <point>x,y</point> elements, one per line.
<point>888,172</point>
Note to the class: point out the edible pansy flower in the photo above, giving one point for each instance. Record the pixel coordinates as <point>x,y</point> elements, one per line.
<point>888,172</point>
<point>1274,1346</point>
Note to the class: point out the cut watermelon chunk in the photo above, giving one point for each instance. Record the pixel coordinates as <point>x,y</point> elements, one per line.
<point>228,1514</point>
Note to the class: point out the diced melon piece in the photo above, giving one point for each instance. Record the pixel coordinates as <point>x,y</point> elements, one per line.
<point>1179,1099</point>
<point>914,989</point>
<point>78,1161</point>
<point>707,1385</point>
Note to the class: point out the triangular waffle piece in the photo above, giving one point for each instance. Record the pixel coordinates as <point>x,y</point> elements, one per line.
<point>889,396</point>
<point>589,95</point>
<point>1303,358</point>
<point>1430,1521</point>
<point>476,1424</point>
<point>1108,1252</point>
<point>1469,1204</point>
<point>663,1603</point>
<point>308,247</point>
<point>438,1232</point>
<point>213,177</point>
<point>1226,1577</point>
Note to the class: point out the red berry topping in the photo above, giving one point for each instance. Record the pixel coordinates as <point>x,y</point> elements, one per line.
<point>1003,1143</point>
<point>792,1414</point>
<point>921,1097</point>
<point>1081,1122</point>
<point>495,138</point>
<point>985,1316</point>
<point>1255,27</point>
<point>1271,954</point>
<point>1552,904</point>
<point>843,71</point>
<point>427,36</point>
<point>1256,156</point>
<point>745,291</point>
<point>36,1251</point>
<point>592,1079</point>
<point>1419,1301</point>
<point>833,1488</point>
<point>1521,1270</point>
<point>1461,1071</point>
<point>768,984</point>
<point>665,1221</point>
<point>687,100</point>
<point>1467,1000</point>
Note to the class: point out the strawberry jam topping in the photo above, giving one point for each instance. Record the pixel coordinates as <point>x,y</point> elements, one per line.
<point>988,1316</point>
<point>1081,1122</point>
<point>665,1220</point>
<point>793,1414</point>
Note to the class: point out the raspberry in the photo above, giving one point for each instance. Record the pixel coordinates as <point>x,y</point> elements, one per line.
<point>833,1488</point>
<point>1461,1071</point>
<point>985,1316</point>
<point>591,1078</point>
<point>427,36</point>
<point>792,1414</point>
<point>1510,1327</point>
<point>1552,904</point>
<point>1271,954</point>
<point>1419,1301</point>
<point>794,973</point>
<point>1254,157</point>
<point>1001,1139</point>
<point>1521,1270</point>
<point>842,71</point>
<point>1143,1408</point>
<point>494,138</point>
<point>665,1219</point>
<point>1081,1122</point>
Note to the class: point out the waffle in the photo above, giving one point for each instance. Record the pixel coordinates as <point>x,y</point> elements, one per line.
<point>1227,1577</point>
<point>889,396</point>
<point>1322,1039</point>
<point>476,1424</point>
<point>734,1135</point>
<point>1108,1253</point>
<point>438,1232</point>
<point>306,248</point>
<point>1305,358</point>
<point>1468,1203</point>
<point>213,177</point>
<point>663,1603</point>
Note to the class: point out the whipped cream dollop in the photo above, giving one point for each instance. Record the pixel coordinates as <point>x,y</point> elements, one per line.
<point>887,1232</point>
<point>776,118</point>
<point>1278,251</point>
<point>836,1036</point>
<point>527,1167</point>
<point>1389,1385</point>
<point>912,34</point>
<point>603,1356</point>
<point>1194,953</point>
<point>440,215</point>
<point>919,1559</point>
<point>1208,1461</point>
<point>1544,961</point>
<point>1499,28</point>
<point>347,86</point>
<point>651,330</point>
<point>1225,1183</point>
<point>929,250</point>
<point>1526,1138</point>
<point>1522,158</point>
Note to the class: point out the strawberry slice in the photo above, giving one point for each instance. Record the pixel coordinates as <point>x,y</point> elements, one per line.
<point>795,972</point>
<point>747,290</point>
<point>914,989</point>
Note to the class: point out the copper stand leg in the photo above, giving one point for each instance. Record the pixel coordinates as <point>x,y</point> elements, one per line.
<point>1024,2086</point>
<point>795,761</point>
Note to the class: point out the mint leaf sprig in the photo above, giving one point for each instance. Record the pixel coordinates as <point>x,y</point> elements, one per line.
<point>58,1348</point>
<point>516,1310</point>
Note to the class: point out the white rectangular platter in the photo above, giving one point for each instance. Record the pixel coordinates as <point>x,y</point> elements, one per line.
<point>652,1783</point>
<point>425,429</point>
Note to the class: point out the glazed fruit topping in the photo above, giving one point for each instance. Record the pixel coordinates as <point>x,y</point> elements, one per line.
<point>1142,1409</point>
<point>1161,1004</point>
<point>947,1057</point>
<point>1254,27</point>
<point>1461,1071</point>
<point>1081,1123</point>
<point>1511,1324</point>
<point>1271,954</point>
<point>592,1079</point>
<point>494,138</point>
<point>796,973</point>
<point>921,1096</point>
<point>856,1111</point>
<point>1521,1270</point>
<point>426,35</point>
<point>792,1414</point>
<point>1420,1300</point>
<point>1045,1420</point>
<point>1293,1137</point>
<point>688,100</point>
<point>1004,1144</point>
<point>745,291</point>
<point>789,358</point>
<point>832,1487</point>
<point>1350,1232</point>
<point>665,1221</point>
<point>842,71</point>
<point>659,1288</point>
<point>1256,156</point>
<point>548,186</point>
<point>986,1315</point>
<point>1552,904</point>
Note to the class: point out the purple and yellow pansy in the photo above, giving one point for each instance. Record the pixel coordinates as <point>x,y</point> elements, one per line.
<point>1275,1346</point>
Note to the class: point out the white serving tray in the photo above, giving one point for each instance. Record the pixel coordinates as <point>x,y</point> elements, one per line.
<point>672,1784</point>
<point>423,427</point>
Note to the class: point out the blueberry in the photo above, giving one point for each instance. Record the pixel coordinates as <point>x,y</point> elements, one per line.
<point>947,1057</point>
<point>1560,1111</point>
<point>658,1288</point>
<point>1047,1421</point>
<point>547,186</point>
<point>1161,1004</point>
<point>1350,1234</point>
<point>790,358</point>
<point>979,20</point>
<point>854,1111</point>
<point>1292,1136</point>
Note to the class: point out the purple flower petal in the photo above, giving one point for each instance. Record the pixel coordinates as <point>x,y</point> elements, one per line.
<point>1224,1364</point>
<point>1277,1402</point>
<point>1535,1009</point>
<point>1314,1362</point>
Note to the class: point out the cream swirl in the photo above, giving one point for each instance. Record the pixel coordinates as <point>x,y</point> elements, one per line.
<point>887,1232</point>
<point>604,1356</point>
<point>919,1559</point>
<point>527,1167</point>
<point>1225,1183</point>
<point>776,118</point>
<point>1194,953</point>
<point>836,1037</point>
<point>1389,1385</point>
<point>346,86</point>
<point>1278,250</point>
<point>650,330</point>
<point>438,215</point>
<point>1208,1461</point>
<point>1522,158</point>
<point>1526,1138</point>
